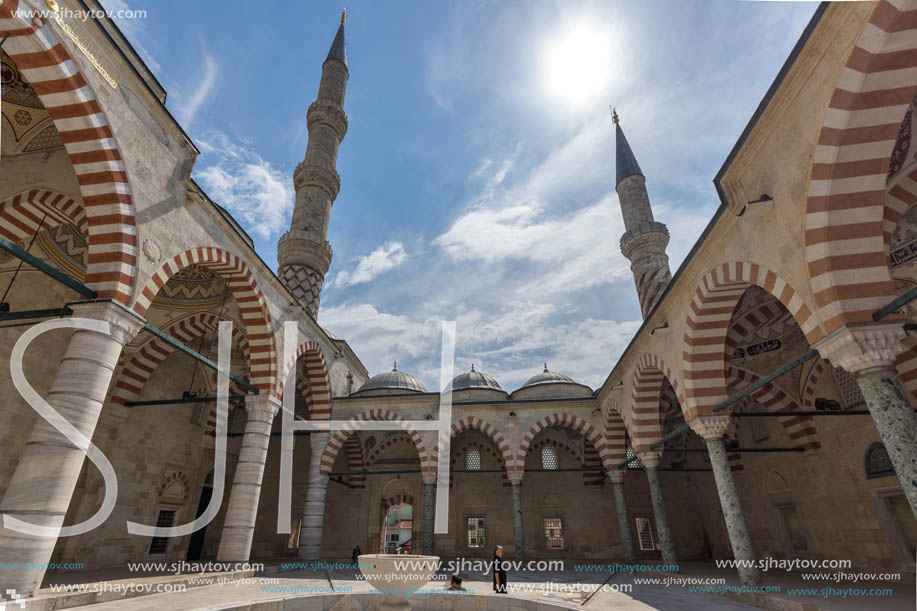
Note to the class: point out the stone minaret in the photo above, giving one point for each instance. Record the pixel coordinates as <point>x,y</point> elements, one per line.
<point>304,254</point>
<point>644,239</point>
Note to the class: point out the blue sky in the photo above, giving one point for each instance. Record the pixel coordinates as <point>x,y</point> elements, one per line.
<point>478,169</point>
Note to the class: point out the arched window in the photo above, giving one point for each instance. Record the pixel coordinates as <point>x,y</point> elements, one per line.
<point>878,464</point>
<point>548,458</point>
<point>473,459</point>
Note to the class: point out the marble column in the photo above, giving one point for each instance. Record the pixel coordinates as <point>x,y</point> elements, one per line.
<point>429,510</point>
<point>627,540</point>
<point>239,525</point>
<point>713,430</point>
<point>313,517</point>
<point>515,478</point>
<point>651,460</point>
<point>42,485</point>
<point>869,351</point>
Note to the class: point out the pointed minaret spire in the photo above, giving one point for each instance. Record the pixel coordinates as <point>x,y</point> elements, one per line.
<point>304,254</point>
<point>644,239</point>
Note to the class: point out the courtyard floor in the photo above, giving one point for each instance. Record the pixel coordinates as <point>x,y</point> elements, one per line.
<point>570,589</point>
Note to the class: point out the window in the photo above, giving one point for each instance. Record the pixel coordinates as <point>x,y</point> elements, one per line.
<point>645,534</point>
<point>549,458</point>
<point>197,412</point>
<point>475,531</point>
<point>848,387</point>
<point>165,519</point>
<point>636,464</point>
<point>473,459</point>
<point>554,533</point>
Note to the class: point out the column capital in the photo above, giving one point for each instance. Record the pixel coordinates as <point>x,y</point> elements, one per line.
<point>125,324</point>
<point>515,477</point>
<point>858,348</point>
<point>650,458</point>
<point>616,476</point>
<point>710,426</point>
<point>262,407</point>
<point>428,477</point>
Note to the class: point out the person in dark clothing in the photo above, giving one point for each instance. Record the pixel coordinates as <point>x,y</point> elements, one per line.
<point>499,571</point>
<point>355,555</point>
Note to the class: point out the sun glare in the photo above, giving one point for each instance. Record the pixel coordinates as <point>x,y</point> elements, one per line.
<point>579,64</point>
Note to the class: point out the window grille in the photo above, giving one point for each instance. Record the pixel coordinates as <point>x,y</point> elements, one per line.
<point>549,458</point>
<point>848,388</point>
<point>165,519</point>
<point>473,459</point>
<point>475,531</point>
<point>645,534</point>
<point>554,533</point>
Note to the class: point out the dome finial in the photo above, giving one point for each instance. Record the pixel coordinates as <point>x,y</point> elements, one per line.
<point>614,115</point>
<point>472,367</point>
<point>395,366</point>
<point>343,16</point>
<point>546,367</point>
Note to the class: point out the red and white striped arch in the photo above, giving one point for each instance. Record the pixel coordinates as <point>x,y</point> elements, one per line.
<point>615,435</point>
<point>136,368</point>
<point>846,206</point>
<point>707,326</point>
<point>385,444</point>
<point>800,429</point>
<point>645,423</point>
<point>339,438</point>
<point>808,388</point>
<point>568,421</point>
<point>21,214</point>
<point>244,288</point>
<point>742,331</point>
<point>88,138</point>
<point>466,423</point>
<point>353,449</point>
<point>319,397</point>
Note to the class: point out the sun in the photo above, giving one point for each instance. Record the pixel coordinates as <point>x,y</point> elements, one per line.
<point>578,65</point>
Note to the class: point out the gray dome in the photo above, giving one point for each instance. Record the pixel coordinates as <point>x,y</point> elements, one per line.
<point>548,377</point>
<point>474,380</point>
<point>394,380</point>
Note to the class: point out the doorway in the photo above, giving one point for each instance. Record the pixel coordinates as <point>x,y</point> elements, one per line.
<point>196,545</point>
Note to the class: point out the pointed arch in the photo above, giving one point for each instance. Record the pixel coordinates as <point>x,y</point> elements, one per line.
<point>800,429</point>
<point>707,326</point>
<point>645,425</point>
<point>136,368</point>
<point>244,288</point>
<point>21,214</point>
<point>339,438</point>
<point>846,202</point>
<point>615,435</point>
<point>90,143</point>
<point>319,397</point>
<point>569,421</point>
<point>466,423</point>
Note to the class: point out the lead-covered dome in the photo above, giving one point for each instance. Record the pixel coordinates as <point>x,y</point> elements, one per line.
<point>474,380</point>
<point>394,380</point>
<point>548,377</point>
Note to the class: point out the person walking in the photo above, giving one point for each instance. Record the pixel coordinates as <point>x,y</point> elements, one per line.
<point>355,555</point>
<point>499,571</point>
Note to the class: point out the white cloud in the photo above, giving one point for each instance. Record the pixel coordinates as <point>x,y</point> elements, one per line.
<point>386,257</point>
<point>255,192</point>
<point>188,105</point>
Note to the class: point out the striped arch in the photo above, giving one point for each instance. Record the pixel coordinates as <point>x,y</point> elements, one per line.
<point>846,203</point>
<point>615,435</point>
<point>387,443</point>
<point>90,144</point>
<point>645,426</point>
<point>808,389</point>
<point>568,421</point>
<point>319,394</point>
<point>800,429</point>
<point>708,322</point>
<point>901,196</point>
<point>355,462</point>
<point>255,316</point>
<point>137,368</point>
<point>588,459</point>
<point>906,364</point>
<point>742,331</point>
<point>21,214</point>
<point>466,423</point>
<point>337,441</point>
